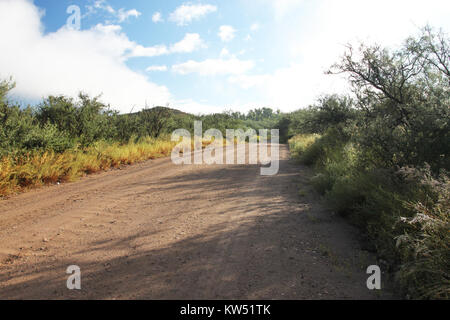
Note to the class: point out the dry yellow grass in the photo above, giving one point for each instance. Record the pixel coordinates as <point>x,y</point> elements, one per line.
<point>37,168</point>
<point>301,142</point>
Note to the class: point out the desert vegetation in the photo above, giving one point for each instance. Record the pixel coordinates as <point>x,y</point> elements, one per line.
<point>381,156</point>
<point>62,139</point>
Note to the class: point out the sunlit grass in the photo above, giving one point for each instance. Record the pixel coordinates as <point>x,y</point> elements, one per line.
<point>39,168</point>
<point>301,142</point>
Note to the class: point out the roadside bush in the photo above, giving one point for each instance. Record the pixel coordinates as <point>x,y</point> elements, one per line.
<point>300,143</point>
<point>15,123</point>
<point>424,248</point>
<point>383,165</point>
<point>47,138</point>
<point>404,214</point>
<point>403,101</point>
<point>84,121</point>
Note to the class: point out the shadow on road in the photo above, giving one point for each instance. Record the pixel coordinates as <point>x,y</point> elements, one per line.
<point>260,243</point>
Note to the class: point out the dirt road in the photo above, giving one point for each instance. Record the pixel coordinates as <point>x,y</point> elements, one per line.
<point>160,231</point>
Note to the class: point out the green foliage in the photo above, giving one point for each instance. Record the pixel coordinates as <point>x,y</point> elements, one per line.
<point>330,111</point>
<point>425,246</point>
<point>300,143</point>
<point>381,158</point>
<point>47,138</point>
<point>86,120</point>
<point>15,125</point>
<point>404,99</point>
<point>60,123</point>
<point>5,87</point>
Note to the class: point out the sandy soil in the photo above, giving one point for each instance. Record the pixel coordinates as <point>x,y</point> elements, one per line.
<point>160,231</point>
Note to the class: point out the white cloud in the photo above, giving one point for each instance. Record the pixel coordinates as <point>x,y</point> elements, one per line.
<point>224,53</point>
<point>123,15</point>
<point>98,5</point>
<point>156,68</point>
<point>226,33</point>
<point>186,13</point>
<point>190,43</point>
<point>317,41</point>
<point>110,9</point>
<point>255,27</point>
<point>154,51</point>
<point>157,17</point>
<point>211,67</point>
<point>69,61</point>
<point>250,81</point>
<point>101,4</point>
<point>120,15</point>
<point>282,7</point>
<point>94,60</point>
<point>293,87</point>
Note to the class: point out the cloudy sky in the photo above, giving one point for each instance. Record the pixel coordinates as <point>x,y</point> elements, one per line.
<point>197,56</point>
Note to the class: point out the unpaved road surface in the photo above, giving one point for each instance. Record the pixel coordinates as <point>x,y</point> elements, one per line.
<point>160,231</point>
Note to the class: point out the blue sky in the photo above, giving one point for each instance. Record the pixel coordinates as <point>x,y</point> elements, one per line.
<point>197,56</point>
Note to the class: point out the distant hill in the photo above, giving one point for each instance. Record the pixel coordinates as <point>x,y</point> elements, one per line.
<point>163,109</point>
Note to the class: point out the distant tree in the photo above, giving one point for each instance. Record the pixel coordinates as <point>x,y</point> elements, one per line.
<point>331,111</point>
<point>85,120</point>
<point>154,121</point>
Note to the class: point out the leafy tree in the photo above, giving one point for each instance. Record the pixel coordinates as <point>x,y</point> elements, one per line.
<point>404,99</point>
<point>153,122</point>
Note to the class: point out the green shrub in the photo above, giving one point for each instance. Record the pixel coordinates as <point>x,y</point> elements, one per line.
<point>300,143</point>
<point>424,247</point>
<point>48,138</point>
<point>313,154</point>
<point>403,213</point>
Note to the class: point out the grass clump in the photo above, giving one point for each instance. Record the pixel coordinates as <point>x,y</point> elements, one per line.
<point>39,168</point>
<point>404,213</point>
<point>382,158</point>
